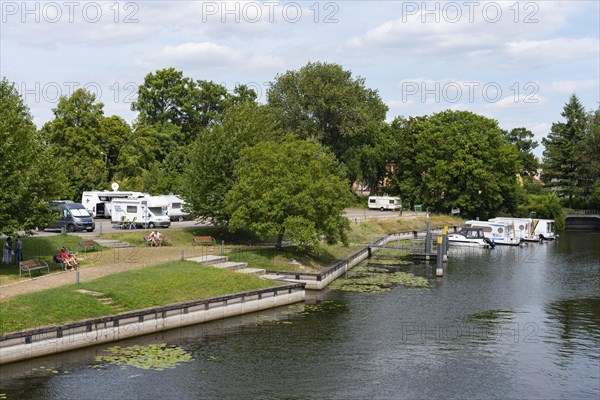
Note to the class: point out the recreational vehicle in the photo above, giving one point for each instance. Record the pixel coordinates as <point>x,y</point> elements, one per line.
<point>175,207</point>
<point>142,212</point>
<point>385,203</point>
<point>498,232</point>
<point>98,202</point>
<point>72,217</point>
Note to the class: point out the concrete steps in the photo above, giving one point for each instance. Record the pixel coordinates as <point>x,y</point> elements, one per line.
<point>113,244</point>
<point>224,263</point>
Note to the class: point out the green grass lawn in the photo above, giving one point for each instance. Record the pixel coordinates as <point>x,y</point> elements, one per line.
<point>152,286</point>
<point>42,247</point>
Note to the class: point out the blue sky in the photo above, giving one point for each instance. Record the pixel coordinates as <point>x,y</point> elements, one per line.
<point>516,62</point>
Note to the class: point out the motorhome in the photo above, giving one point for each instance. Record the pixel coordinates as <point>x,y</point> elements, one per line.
<point>498,232</point>
<point>98,202</point>
<point>521,226</point>
<point>72,217</point>
<point>385,203</point>
<point>142,212</point>
<point>175,207</point>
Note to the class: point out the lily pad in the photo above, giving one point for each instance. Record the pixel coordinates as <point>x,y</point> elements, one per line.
<point>155,357</point>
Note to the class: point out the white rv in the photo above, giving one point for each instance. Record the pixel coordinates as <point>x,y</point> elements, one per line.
<point>385,203</point>
<point>143,212</point>
<point>98,202</point>
<point>498,232</point>
<point>175,207</point>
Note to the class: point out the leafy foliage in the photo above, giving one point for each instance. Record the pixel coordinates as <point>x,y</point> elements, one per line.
<point>522,139</point>
<point>455,159</point>
<point>563,156</point>
<point>324,102</point>
<point>289,187</point>
<point>30,177</point>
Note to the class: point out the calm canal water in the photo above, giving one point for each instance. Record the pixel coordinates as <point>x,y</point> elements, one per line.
<point>518,323</point>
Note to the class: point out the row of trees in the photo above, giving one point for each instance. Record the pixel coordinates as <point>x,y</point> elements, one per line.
<point>284,167</point>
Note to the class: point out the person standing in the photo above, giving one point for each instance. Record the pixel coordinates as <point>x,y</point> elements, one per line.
<point>7,253</point>
<point>18,251</point>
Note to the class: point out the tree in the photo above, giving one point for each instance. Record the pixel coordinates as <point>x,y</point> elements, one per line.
<point>290,187</point>
<point>591,156</point>
<point>455,159</point>
<point>208,175</point>
<point>169,97</point>
<point>323,101</point>
<point>522,139</point>
<point>30,178</point>
<point>76,141</point>
<point>563,159</point>
<point>116,132</point>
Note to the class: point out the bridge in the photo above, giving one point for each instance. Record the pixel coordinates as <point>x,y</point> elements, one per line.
<point>583,220</point>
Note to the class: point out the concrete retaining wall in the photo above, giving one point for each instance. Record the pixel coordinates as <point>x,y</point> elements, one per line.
<point>35,343</point>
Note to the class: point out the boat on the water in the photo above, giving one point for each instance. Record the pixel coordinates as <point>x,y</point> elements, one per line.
<point>500,233</point>
<point>470,236</point>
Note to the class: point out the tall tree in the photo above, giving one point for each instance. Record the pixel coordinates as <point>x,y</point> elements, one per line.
<point>323,101</point>
<point>169,97</point>
<point>77,141</point>
<point>289,187</point>
<point>117,133</point>
<point>30,177</point>
<point>591,155</point>
<point>212,156</point>
<point>456,159</point>
<point>563,160</point>
<point>522,138</point>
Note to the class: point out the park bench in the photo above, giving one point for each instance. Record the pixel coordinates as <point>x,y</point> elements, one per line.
<point>203,240</point>
<point>32,265</point>
<point>88,245</point>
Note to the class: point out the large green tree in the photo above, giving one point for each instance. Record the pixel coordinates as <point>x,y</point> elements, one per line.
<point>325,102</point>
<point>30,178</point>
<point>591,155</point>
<point>289,187</point>
<point>563,160</point>
<point>522,138</point>
<point>167,96</point>
<point>77,142</point>
<point>208,175</point>
<point>456,159</point>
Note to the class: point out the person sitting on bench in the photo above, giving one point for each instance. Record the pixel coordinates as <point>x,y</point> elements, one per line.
<point>69,260</point>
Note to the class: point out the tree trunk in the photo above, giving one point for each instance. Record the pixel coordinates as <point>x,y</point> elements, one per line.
<point>278,244</point>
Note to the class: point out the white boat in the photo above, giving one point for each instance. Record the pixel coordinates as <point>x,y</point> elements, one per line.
<point>498,232</point>
<point>469,236</point>
<point>528,229</point>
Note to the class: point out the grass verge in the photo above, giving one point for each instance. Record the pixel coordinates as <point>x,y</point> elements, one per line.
<point>157,285</point>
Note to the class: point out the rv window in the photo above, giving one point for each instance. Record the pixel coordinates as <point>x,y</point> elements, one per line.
<point>372,201</point>
<point>176,205</point>
<point>391,201</point>
<point>131,209</point>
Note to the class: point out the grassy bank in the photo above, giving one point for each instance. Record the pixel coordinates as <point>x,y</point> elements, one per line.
<point>152,286</point>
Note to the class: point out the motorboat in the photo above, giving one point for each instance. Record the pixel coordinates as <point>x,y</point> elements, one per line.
<point>500,233</point>
<point>470,236</point>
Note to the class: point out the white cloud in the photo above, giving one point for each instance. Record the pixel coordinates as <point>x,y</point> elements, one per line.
<point>553,51</point>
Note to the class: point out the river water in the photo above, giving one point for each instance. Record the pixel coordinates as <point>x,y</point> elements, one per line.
<point>510,323</point>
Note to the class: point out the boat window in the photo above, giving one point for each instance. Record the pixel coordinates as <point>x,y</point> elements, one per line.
<point>521,227</point>
<point>487,229</point>
<point>500,230</point>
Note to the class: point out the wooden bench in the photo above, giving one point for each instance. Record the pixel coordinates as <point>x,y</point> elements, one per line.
<point>88,245</point>
<point>203,240</point>
<point>32,265</point>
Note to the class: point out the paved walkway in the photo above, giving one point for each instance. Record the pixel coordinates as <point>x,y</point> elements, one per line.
<point>106,262</point>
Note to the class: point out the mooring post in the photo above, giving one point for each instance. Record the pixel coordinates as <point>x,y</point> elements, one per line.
<point>222,247</point>
<point>440,263</point>
<point>77,276</point>
<point>445,244</point>
<point>427,238</point>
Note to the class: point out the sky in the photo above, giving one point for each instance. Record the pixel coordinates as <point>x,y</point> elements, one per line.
<point>513,61</point>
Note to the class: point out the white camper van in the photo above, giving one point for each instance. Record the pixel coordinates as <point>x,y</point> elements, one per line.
<point>175,207</point>
<point>98,202</point>
<point>143,212</point>
<point>385,203</point>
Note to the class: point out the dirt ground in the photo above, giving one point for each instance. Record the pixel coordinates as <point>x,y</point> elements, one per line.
<point>108,261</point>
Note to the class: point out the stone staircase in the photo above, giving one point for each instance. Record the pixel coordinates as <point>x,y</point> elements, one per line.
<point>224,263</point>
